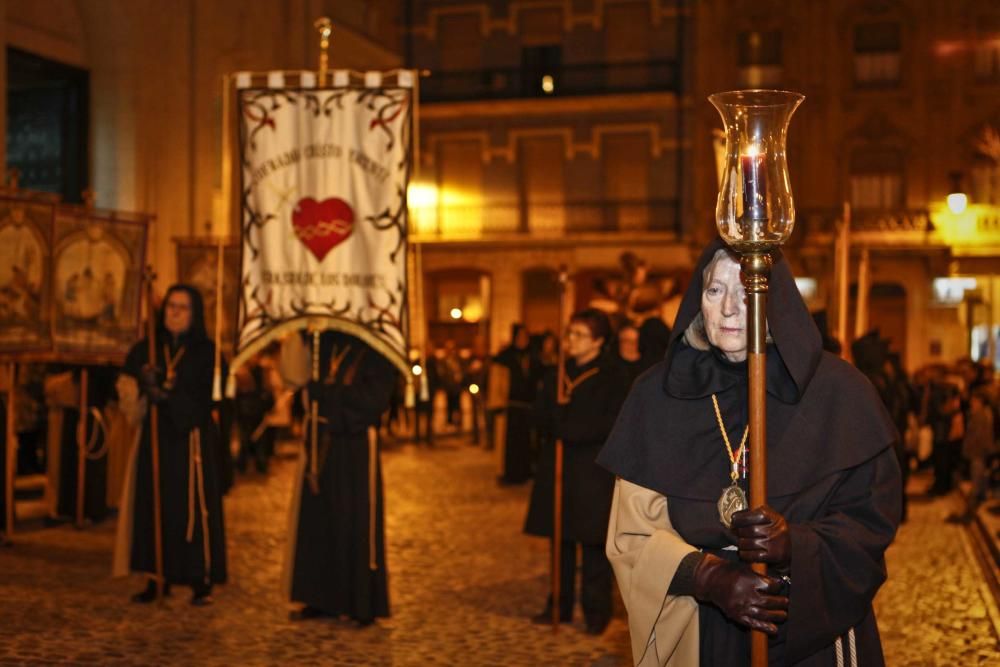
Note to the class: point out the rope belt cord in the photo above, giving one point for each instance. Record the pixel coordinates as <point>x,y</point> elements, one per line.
<point>196,476</point>
<point>851,647</point>
<point>99,428</point>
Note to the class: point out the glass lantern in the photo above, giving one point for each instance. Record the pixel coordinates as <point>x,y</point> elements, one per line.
<point>755,211</point>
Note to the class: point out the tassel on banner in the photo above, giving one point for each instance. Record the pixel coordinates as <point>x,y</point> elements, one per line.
<point>230,386</point>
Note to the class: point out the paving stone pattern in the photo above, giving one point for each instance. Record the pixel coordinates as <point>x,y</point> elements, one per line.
<point>463,582</point>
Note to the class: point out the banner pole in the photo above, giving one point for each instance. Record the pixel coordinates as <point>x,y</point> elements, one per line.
<point>314,419</point>
<point>325,27</point>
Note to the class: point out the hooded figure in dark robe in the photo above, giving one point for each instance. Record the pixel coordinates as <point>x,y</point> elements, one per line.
<point>520,374</point>
<point>179,383</point>
<point>593,389</point>
<point>833,490</point>
<point>336,565</point>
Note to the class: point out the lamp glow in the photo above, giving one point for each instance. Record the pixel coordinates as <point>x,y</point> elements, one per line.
<point>548,84</point>
<point>473,389</point>
<point>417,370</point>
<point>456,313</point>
<point>957,201</point>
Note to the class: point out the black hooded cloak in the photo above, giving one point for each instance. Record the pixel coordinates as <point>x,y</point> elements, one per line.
<point>330,568</point>
<point>186,411</point>
<point>830,467</point>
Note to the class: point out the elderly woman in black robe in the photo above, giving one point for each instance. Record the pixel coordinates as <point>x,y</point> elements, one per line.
<point>833,495</point>
<point>179,383</point>
<point>336,565</point>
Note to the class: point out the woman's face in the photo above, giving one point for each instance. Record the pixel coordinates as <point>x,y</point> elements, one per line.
<point>177,312</point>
<point>723,305</point>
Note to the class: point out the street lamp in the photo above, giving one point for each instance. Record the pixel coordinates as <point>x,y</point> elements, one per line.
<point>957,200</point>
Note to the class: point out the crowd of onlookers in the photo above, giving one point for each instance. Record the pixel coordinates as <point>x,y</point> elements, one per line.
<point>946,417</point>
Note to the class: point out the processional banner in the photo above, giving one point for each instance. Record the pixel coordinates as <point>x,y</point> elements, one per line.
<point>97,267</point>
<point>198,261</point>
<point>324,172</point>
<point>25,268</point>
<point>70,279</point>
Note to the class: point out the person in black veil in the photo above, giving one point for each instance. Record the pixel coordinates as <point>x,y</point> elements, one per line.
<point>519,371</point>
<point>593,388</point>
<point>833,505</point>
<point>180,384</point>
<point>337,562</point>
<point>627,353</point>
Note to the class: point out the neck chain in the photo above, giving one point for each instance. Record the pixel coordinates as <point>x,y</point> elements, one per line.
<point>570,385</point>
<point>171,363</point>
<point>733,458</point>
<point>337,358</point>
<point>732,499</point>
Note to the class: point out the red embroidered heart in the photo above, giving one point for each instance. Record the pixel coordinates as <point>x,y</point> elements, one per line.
<point>321,226</point>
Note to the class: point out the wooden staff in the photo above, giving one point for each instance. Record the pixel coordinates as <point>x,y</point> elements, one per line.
<point>756,271</point>
<point>154,435</point>
<point>9,459</point>
<point>81,447</point>
<point>217,375</point>
<point>314,420</point>
<point>843,261</point>
<point>557,513</point>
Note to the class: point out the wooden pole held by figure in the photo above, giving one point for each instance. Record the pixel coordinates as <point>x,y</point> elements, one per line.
<point>557,485</point>
<point>154,436</point>
<point>10,458</point>
<point>864,287</point>
<point>756,271</point>
<point>842,259</point>
<point>81,448</point>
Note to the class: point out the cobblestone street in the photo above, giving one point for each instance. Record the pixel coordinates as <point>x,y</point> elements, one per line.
<point>463,582</point>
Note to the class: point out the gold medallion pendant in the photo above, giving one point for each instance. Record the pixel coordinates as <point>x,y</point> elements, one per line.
<point>731,501</point>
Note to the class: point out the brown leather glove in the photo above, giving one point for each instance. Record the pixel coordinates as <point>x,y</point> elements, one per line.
<point>762,537</point>
<point>743,595</point>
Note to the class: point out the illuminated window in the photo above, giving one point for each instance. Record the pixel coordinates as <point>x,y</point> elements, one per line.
<point>877,56</point>
<point>986,58</point>
<point>876,179</point>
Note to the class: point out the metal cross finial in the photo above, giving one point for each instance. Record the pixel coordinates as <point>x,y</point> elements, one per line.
<point>325,27</point>
<point>89,197</point>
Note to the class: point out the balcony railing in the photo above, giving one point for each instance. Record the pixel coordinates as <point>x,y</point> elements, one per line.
<point>567,80</point>
<point>546,219</point>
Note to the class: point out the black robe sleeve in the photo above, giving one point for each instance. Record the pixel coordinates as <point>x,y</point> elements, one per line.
<point>837,560</point>
<point>135,360</point>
